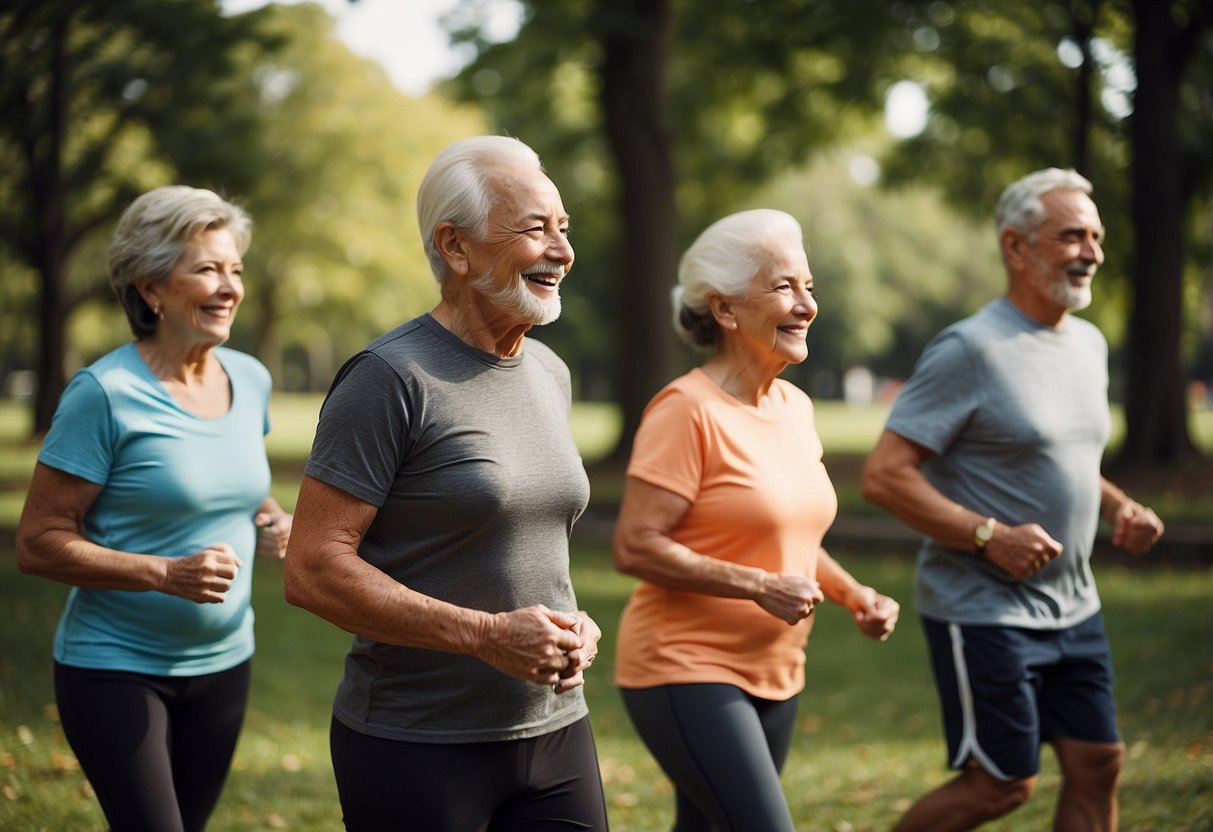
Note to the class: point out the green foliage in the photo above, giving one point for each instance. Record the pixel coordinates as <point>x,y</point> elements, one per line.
<point>336,257</point>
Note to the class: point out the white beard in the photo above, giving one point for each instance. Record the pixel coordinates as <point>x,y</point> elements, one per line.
<point>517,300</point>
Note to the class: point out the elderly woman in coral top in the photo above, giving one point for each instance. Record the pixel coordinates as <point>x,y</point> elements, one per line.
<point>726,504</point>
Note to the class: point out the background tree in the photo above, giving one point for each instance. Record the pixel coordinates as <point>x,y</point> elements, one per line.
<point>1127,89</point>
<point>336,257</point>
<point>97,102</point>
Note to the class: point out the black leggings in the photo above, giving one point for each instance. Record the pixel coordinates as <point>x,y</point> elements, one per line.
<point>156,748</point>
<point>549,782</point>
<point>723,749</point>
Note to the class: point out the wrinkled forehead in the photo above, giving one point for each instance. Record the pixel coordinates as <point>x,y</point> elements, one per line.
<point>1069,209</point>
<point>523,192</point>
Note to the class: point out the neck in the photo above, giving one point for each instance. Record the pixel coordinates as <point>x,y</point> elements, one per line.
<point>175,362</point>
<point>742,377</point>
<point>480,326</point>
<point>1031,304</point>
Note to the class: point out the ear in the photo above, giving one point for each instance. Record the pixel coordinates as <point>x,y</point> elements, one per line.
<point>452,245</point>
<point>722,311</point>
<point>1014,244</point>
<point>148,291</point>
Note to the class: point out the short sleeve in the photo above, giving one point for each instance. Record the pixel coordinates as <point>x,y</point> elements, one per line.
<point>360,438</point>
<point>941,395</point>
<point>668,449</point>
<point>81,437</point>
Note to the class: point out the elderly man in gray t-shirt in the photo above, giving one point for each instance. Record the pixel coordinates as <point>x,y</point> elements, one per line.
<point>993,451</point>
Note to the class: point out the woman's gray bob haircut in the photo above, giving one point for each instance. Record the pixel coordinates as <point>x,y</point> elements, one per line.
<point>152,235</point>
<point>1020,206</point>
<point>724,259</point>
<point>454,189</point>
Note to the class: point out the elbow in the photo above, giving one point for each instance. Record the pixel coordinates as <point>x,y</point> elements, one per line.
<point>28,561</point>
<point>624,557</point>
<point>294,587</point>
<point>872,486</point>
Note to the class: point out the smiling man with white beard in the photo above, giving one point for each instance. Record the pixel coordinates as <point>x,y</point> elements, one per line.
<point>433,523</point>
<point>993,451</point>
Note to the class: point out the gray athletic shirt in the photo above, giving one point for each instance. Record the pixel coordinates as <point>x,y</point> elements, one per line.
<point>471,462</point>
<point>1018,415</point>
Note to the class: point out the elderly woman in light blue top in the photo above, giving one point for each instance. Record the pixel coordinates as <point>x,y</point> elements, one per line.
<point>150,498</point>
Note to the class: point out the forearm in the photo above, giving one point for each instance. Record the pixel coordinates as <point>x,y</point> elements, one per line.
<point>71,559</point>
<point>837,583</point>
<point>909,496</point>
<point>342,588</point>
<point>1111,499</point>
<point>660,560</point>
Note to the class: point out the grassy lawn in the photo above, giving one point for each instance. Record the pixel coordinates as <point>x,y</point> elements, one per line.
<point>868,741</point>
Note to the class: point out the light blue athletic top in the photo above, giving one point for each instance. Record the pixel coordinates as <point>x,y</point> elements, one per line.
<point>1017,413</point>
<point>173,484</point>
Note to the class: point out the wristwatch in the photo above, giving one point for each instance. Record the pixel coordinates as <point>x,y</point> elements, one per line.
<point>983,534</point>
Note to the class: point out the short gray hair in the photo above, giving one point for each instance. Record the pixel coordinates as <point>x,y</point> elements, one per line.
<point>152,235</point>
<point>1020,206</point>
<point>455,189</point>
<point>724,259</point>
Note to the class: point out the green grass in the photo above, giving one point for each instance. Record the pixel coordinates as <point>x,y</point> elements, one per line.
<point>868,741</point>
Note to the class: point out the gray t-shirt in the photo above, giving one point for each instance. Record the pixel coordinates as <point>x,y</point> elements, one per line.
<point>1018,415</point>
<point>471,462</point>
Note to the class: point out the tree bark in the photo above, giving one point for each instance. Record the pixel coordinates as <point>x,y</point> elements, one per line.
<point>1156,412</point>
<point>50,245</point>
<point>634,109</point>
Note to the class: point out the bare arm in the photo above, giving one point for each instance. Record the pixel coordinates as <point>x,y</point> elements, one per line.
<point>875,614</point>
<point>50,545</point>
<point>1135,528</point>
<point>325,575</point>
<point>644,548</point>
<point>893,479</point>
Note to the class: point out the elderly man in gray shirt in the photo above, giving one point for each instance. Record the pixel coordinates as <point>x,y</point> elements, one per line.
<point>993,451</point>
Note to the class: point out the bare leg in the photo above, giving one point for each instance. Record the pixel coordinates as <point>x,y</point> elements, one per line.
<point>965,802</point>
<point>1090,773</point>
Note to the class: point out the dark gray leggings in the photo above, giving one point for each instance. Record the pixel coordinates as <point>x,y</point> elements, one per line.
<point>156,749</point>
<point>723,749</point>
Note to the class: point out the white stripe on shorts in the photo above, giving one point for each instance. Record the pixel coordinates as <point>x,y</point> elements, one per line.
<point>968,740</point>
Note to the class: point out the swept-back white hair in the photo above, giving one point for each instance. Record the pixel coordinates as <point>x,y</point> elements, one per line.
<point>724,258</point>
<point>454,189</point>
<point>1020,206</point>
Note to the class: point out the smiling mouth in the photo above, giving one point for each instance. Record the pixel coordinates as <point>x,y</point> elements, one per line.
<point>545,279</point>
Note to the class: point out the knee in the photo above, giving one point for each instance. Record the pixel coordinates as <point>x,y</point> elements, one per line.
<point>1009,795</point>
<point>1100,769</point>
<point>995,798</point>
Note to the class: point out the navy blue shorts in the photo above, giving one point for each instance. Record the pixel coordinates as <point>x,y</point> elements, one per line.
<point>1005,690</point>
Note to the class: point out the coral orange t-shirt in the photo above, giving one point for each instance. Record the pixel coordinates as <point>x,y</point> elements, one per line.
<point>759,496</point>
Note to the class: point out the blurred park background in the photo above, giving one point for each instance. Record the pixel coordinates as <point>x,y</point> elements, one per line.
<point>887,127</point>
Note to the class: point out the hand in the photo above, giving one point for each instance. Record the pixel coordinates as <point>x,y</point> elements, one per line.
<point>1021,551</point>
<point>581,658</point>
<point>1136,528</point>
<point>789,597</point>
<point>203,577</point>
<point>875,614</point>
<point>532,643</point>
<point>273,533</point>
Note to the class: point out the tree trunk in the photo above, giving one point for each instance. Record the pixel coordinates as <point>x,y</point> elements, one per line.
<point>50,245</point>
<point>634,110</point>
<point>1156,411</point>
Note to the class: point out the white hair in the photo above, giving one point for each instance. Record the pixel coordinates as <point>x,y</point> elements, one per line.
<point>152,235</point>
<point>455,190</point>
<point>1020,206</point>
<point>724,259</point>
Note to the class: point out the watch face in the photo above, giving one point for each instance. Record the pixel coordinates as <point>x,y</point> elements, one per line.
<point>983,533</point>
